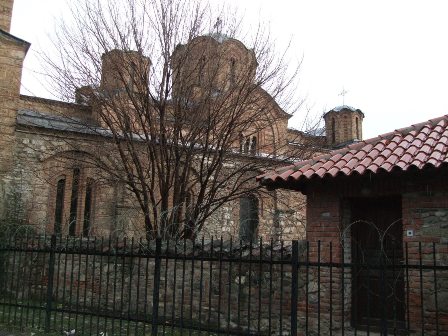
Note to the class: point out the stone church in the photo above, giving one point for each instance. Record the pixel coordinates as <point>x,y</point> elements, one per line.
<point>46,185</point>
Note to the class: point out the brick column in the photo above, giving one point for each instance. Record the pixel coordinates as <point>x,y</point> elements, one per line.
<point>6,14</point>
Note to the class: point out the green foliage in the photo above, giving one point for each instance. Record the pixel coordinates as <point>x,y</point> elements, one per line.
<point>14,223</point>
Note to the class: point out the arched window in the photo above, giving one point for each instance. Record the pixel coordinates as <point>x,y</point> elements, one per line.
<point>59,206</point>
<point>73,194</point>
<point>333,130</point>
<point>248,217</point>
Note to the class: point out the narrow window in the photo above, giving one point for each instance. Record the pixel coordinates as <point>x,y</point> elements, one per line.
<point>253,145</point>
<point>188,216</point>
<point>241,142</point>
<point>59,206</point>
<point>232,71</point>
<point>74,203</point>
<point>246,145</point>
<point>87,208</point>
<point>126,123</point>
<point>357,128</point>
<point>333,130</point>
<point>201,74</point>
<point>248,218</point>
<point>132,76</point>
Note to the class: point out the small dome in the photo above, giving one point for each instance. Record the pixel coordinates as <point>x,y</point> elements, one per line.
<point>219,37</point>
<point>344,107</point>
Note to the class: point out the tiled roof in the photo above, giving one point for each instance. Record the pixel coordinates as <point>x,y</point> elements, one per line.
<point>421,145</point>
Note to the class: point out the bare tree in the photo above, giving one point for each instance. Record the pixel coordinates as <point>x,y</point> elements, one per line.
<point>189,113</point>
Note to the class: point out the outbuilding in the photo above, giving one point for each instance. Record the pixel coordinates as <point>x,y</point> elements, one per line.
<point>382,199</point>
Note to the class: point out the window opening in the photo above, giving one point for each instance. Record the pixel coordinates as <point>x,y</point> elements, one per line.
<point>246,145</point>
<point>132,76</point>
<point>253,146</point>
<point>88,208</point>
<point>74,202</point>
<point>59,206</point>
<point>201,74</point>
<point>127,123</point>
<point>357,128</point>
<point>333,130</point>
<point>248,218</point>
<point>232,71</point>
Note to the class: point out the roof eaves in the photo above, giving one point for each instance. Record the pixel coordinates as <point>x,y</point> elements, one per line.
<point>15,39</point>
<point>379,144</point>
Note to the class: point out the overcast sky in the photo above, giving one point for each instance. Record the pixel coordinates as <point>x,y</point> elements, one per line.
<point>391,56</point>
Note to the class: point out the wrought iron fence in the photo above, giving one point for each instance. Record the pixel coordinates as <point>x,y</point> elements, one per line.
<point>100,286</point>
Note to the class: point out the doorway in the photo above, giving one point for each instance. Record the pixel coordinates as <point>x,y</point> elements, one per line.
<point>377,253</point>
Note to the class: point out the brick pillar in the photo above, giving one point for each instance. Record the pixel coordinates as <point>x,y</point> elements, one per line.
<point>6,14</point>
<point>11,62</point>
<point>12,54</point>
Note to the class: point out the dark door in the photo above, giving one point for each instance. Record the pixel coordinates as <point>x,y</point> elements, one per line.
<point>377,252</point>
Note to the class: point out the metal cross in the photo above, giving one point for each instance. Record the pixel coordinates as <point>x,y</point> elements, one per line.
<point>343,93</point>
<point>218,25</point>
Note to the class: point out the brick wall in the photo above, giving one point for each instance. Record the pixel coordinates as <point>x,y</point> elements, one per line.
<point>347,126</point>
<point>12,54</point>
<point>6,14</point>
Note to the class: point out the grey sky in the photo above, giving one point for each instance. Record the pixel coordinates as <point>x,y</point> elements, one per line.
<point>391,56</point>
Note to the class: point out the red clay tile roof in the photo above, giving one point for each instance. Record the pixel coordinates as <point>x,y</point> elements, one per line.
<point>417,146</point>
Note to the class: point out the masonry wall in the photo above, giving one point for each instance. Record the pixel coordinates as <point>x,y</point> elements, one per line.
<point>41,159</point>
<point>12,55</point>
<point>6,14</point>
<point>424,196</point>
<point>58,108</point>
<point>347,126</point>
<point>198,284</point>
<point>43,156</point>
<point>281,217</point>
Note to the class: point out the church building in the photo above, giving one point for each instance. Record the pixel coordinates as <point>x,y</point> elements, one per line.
<point>47,185</point>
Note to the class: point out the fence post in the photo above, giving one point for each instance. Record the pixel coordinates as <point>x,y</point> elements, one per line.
<point>51,263</point>
<point>294,286</point>
<point>156,288</point>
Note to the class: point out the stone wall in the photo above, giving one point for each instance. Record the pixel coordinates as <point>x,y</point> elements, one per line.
<point>199,285</point>
<point>42,156</point>
<point>12,54</point>
<point>281,217</point>
<point>211,285</point>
